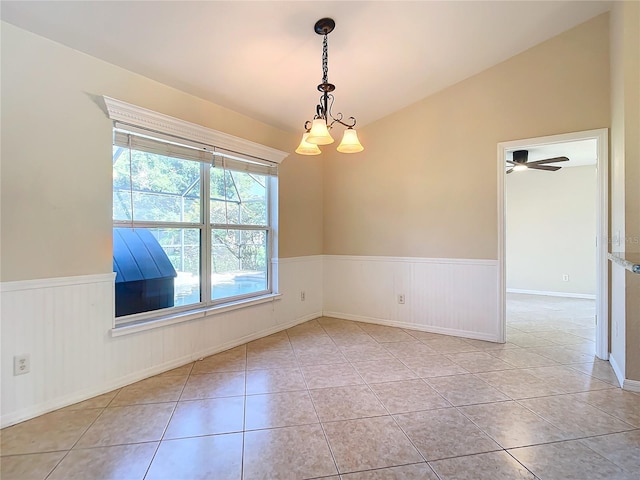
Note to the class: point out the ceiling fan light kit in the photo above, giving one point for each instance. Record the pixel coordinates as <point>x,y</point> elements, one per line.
<point>317,131</point>
<point>521,162</point>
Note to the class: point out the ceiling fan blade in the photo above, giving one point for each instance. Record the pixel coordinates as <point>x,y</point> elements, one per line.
<point>544,167</point>
<point>549,160</point>
<point>510,170</point>
<point>511,163</point>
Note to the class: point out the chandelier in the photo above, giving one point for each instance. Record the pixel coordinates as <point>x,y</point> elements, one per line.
<point>317,131</point>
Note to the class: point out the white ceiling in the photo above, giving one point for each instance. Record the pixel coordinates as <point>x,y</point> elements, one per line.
<point>263,58</point>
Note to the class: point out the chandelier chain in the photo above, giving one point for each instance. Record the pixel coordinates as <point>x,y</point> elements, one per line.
<point>325,59</point>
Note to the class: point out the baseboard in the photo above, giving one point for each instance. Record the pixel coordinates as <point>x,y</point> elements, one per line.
<point>616,369</point>
<point>65,401</point>
<point>631,385</point>
<point>413,326</point>
<point>587,296</point>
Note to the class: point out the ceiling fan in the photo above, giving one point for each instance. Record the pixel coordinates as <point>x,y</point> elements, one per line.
<point>520,162</point>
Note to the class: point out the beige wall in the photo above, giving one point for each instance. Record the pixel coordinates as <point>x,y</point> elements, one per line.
<point>56,159</point>
<point>625,179</point>
<point>550,230</point>
<point>426,185</point>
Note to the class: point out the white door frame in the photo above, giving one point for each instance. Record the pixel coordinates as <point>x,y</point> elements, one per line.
<point>602,228</point>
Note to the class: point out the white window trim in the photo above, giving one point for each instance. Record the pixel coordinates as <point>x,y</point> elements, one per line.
<point>158,122</point>
<point>135,116</point>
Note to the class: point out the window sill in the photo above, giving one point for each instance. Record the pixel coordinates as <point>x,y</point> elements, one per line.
<point>180,317</point>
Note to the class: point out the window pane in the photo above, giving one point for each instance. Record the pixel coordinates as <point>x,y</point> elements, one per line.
<point>161,188</point>
<point>238,198</point>
<point>156,268</point>
<point>238,262</point>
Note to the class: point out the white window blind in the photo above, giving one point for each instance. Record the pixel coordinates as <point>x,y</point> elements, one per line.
<point>162,144</point>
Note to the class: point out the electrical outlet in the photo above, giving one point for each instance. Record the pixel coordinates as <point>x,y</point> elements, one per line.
<point>21,364</point>
<point>565,278</point>
<point>303,296</point>
<point>401,298</point>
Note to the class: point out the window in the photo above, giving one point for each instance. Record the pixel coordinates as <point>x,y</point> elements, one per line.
<point>194,225</point>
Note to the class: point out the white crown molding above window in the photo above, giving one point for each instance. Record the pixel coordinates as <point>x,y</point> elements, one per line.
<point>148,119</point>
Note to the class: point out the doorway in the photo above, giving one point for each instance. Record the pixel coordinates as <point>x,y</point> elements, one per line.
<point>600,137</point>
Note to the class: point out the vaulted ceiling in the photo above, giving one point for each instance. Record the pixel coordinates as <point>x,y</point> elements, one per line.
<point>263,58</point>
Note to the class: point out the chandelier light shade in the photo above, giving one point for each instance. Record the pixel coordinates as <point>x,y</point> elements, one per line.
<point>350,142</point>
<point>306,148</point>
<point>317,131</point>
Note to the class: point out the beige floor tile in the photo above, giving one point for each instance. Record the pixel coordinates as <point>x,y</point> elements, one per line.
<point>151,390</point>
<point>320,358</point>
<point>519,384</point>
<point>212,457</point>
<point>465,390</point>
<point>563,354</point>
<point>330,322</point>
<point>214,385</point>
<point>433,366</point>
<point>287,453</point>
<point>309,327</point>
<point>409,349</point>
<point>380,371</point>
<point>364,352</point>
<point>444,433</point>
<point>491,346</point>
<point>522,358</point>
<point>352,338</point>
<point>277,341</point>
<point>344,403</point>
<point>58,430</point>
<point>101,401</point>
<point>270,359</point>
<point>279,410</point>
<point>567,380</point>
<point>561,338</point>
<point>325,376</point>
<point>450,345</point>
<point>130,424</point>
<point>475,362</point>
<point>599,369</point>
<point>35,466</point>
<point>416,471</point>
<point>234,360</point>
<point>276,380</point>
<point>485,466</point>
<point>122,462</point>
<point>574,418</point>
<point>567,460</point>
<point>623,449</point>
<point>408,396</point>
<point>619,403</point>
<point>369,443</point>
<point>206,417</point>
<point>425,336</point>
<point>586,333</point>
<point>184,370</point>
<point>383,334</point>
<point>314,345</point>
<point>528,340</point>
<point>512,425</point>
<point>587,347</point>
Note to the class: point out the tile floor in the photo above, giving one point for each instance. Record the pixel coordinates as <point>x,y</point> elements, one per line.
<point>343,400</point>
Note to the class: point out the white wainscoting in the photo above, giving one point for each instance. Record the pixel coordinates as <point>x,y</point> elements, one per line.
<point>449,296</point>
<point>64,324</point>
